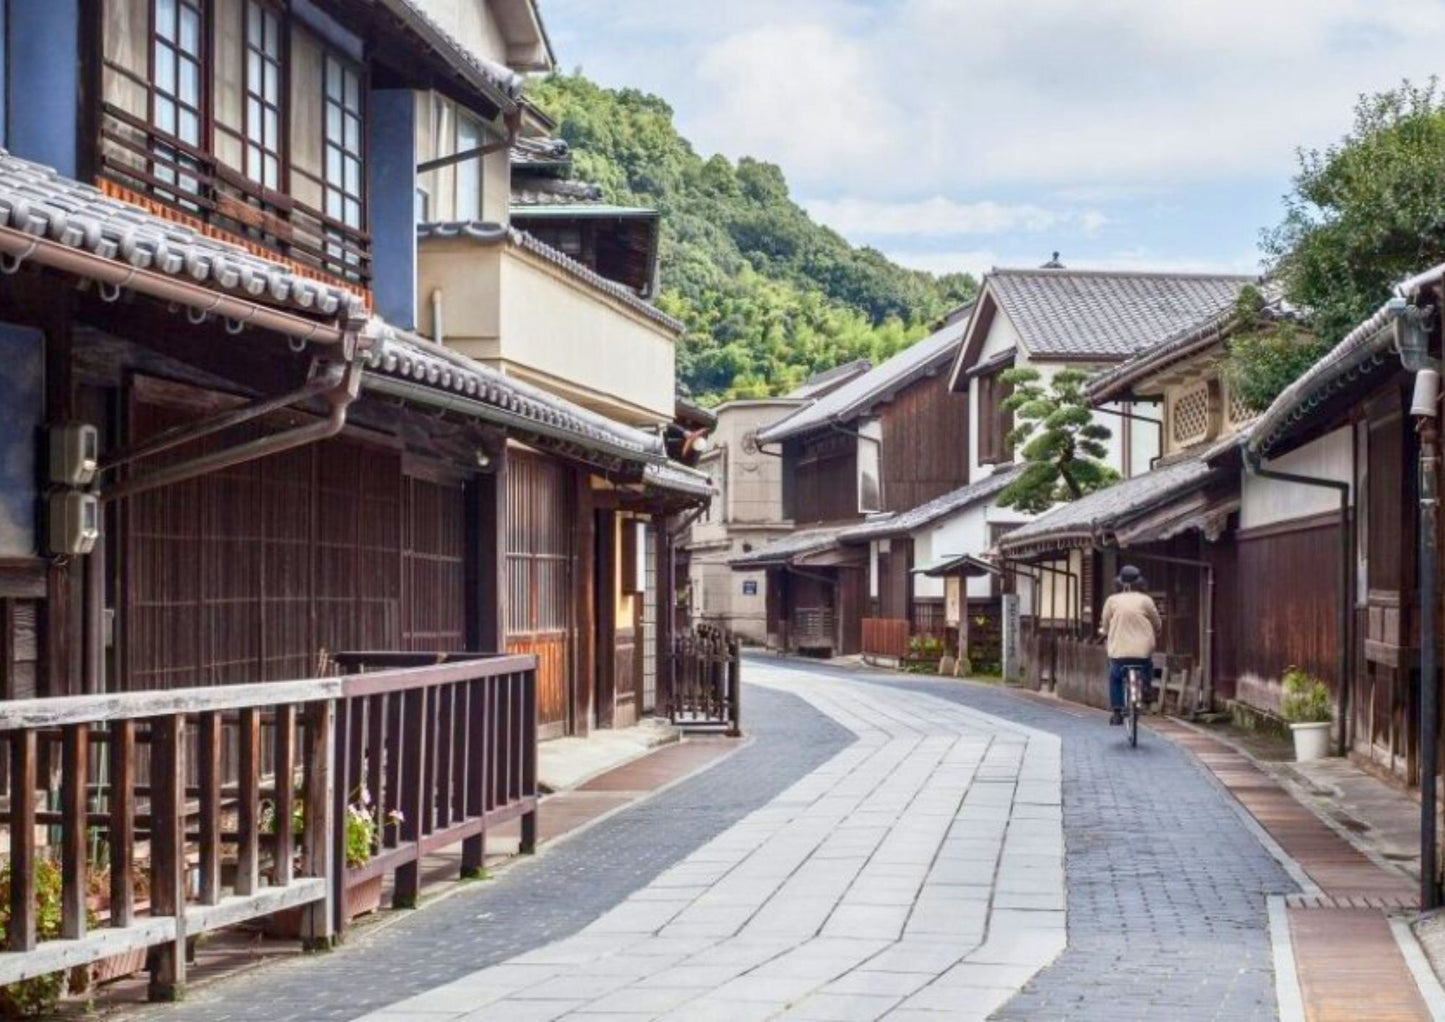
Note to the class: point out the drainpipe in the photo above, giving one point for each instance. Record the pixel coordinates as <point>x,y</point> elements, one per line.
<point>1255,465</point>
<point>437,333</point>
<point>1413,327</point>
<point>1158,424</point>
<point>346,383</point>
<point>836,427</point>
<point>513,122</point>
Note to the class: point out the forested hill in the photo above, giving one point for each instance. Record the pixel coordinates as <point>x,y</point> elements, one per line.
<point>768,295</point>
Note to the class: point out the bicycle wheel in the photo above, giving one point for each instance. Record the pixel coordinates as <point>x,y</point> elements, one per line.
<point>1133,722</point>
<point>1131,708</point>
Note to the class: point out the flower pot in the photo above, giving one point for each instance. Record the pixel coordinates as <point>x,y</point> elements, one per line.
<point>1311,741</point>
<point>363,898</point>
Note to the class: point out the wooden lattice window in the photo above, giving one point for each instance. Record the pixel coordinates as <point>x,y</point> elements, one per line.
<point>1189,418</point>
<point>176,89</point>
<point>1238,409</point>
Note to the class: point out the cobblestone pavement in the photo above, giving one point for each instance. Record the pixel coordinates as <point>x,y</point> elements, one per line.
<point>1166,885</point>
<point>918,874</point>
<point>536,901</point>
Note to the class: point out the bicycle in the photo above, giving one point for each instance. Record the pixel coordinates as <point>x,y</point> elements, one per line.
<point>1133,697</point>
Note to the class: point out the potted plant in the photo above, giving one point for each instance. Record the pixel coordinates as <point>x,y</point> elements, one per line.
<point>1306,707</point>
<point>362,826</point>
<point>38,995</point>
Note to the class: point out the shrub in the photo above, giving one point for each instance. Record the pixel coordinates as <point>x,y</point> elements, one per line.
<point>1306,699</point>
<point>38,995</point>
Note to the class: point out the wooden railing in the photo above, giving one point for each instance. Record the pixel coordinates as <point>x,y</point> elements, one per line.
<point>886,637</point>
<point>707,680</point>
<point>451,744</point>
<point>141,156</point>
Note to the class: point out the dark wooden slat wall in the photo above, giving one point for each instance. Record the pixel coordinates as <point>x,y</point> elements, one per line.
<point>825,479</point>
<point>539,572</point>
<point>925,444</point>
<point>1286,600</point>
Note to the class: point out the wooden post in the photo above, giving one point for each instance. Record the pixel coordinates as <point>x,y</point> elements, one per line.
<point>285,801</point>
<point>248,850</point>
<point>666,612</point>
<point>407,887</point>
<point>585,583</point>
<point>735,687</point>
<point>319,921</point>
<point>122,822</point>
<point>474,849</point>
<point>168,861</point>
<point>21,933</point>
<point>74,774</point>
<point>528,737</point>
<point>209,748</point>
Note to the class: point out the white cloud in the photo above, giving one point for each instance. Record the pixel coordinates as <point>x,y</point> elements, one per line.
<point>942,217</point>
<point>977,261</point>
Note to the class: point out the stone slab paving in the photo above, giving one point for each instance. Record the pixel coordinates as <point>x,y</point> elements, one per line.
<point>1167,886</point>
<point>533,902</point>
<point>917,874</point>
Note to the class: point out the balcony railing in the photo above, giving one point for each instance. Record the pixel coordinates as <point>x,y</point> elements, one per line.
<point>447,740</point>
<point>140,156</point>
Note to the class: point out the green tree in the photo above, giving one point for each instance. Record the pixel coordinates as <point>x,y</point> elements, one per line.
<point>1061,445</point>
<point>1366,212</point>
<point>1265,353</point>
<point>768,295</point>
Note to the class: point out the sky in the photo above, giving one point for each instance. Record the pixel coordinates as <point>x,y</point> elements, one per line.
<point>967,134</point>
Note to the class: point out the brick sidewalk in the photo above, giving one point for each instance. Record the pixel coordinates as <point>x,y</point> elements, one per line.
<point>1350,966</point>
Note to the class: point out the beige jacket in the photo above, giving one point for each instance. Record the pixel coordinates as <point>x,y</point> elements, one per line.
<point>1131,625</point>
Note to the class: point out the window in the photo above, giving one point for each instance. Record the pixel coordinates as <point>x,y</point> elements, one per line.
<point>423,206</point>
<point>263,94</point>
<point>469,172</point>
<point>343,141</point>
<point>994,424</point>
<point>176,88</point>
<point>870,477</point>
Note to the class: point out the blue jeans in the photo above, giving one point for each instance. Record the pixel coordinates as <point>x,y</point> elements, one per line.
<point>1117,669</point>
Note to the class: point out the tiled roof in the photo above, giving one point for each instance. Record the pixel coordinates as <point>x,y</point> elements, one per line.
<point>37,200</point>
<point>580,209</point>
<point>678,479</point>
<point>1107,509</point>
<point>927,513</point>
<point>830,379</point>
<point>404,356</point>
<point>493,234</point>
<point>877,385</point>
<point>545,152</point>
<point>546,191</point>
<point>1192,340</point>
<point>795,544</point>
<point>487,75</point>
<point>1105,315</point>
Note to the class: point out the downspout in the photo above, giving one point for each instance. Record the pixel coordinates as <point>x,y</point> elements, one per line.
<point>437,331</point>
<point>1413,328</point>
<point>1254,463</point>
<point>836,427</point>
<point>1158,424</point>
<point>346,379</point>
<point>513,122</point>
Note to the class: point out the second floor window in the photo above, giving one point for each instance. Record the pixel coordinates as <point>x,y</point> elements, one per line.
<point>469,172</point>
<point>343,141</point>
<point>994,424</point>
<point>176,88</point>
<point>263,94</point>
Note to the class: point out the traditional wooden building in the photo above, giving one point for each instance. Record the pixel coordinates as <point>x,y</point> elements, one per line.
<point>230,460</point>
<point>882,443</point>
<point>1346,436</point>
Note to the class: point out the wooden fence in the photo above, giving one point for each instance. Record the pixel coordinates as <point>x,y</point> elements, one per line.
<point>451,746</point>
<point>885,637</point>
<point>706,680</point>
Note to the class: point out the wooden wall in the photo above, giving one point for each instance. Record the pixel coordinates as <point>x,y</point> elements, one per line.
<point>895,584</point>
<point>824,471</point>
<point>252,573</point>
<point>925,444</point>
<point>1286,599</point>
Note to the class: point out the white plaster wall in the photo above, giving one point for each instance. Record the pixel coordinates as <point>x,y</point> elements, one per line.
<point>1269,501</point>
<point>472,23</point>
<point>965,532</point>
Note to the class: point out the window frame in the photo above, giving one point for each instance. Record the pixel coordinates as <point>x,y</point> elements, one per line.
<point>168,164</point>
<point>994,424</point>
<point>332,57</point>
<point>255,92</point>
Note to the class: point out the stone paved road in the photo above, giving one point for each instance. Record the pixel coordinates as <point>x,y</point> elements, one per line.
<point>1165,906</point>
<point>1166,884</point>
<point>537,901</point>
<point>918,874</point>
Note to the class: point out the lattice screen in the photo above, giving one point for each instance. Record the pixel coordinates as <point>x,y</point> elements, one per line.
<point>1190,419</point>
<point>1239,411</point>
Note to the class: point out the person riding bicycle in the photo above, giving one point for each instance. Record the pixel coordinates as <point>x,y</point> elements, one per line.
<point>1130,625</point>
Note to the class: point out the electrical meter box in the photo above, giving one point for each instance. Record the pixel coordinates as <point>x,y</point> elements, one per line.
<point>74,523</point>
<point>74,454</point>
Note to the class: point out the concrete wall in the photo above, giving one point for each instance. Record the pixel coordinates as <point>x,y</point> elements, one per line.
<point>505,306</point>
<point>1268,501</point>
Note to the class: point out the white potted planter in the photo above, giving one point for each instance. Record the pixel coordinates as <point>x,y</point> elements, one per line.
<point>1306,706</point>
<point>1311,740</point>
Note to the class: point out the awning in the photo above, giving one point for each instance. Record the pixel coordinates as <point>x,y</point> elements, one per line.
<point>1196,512</point>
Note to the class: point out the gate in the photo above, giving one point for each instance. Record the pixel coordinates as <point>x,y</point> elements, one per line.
<point>707,680</point>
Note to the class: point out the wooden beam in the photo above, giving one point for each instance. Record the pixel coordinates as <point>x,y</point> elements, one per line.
<point>168,892</point>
